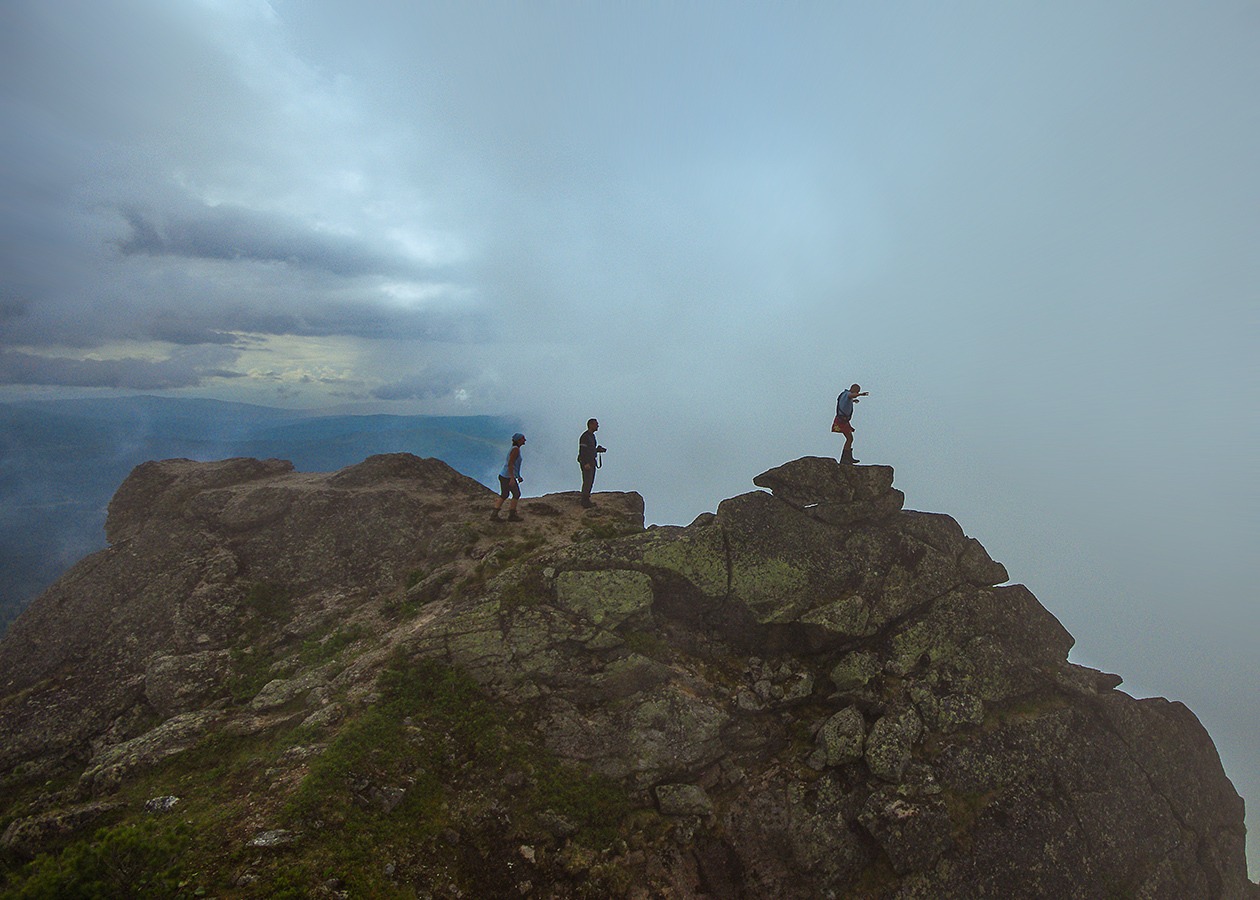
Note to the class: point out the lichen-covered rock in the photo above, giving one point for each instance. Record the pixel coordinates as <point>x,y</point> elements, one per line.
<point>810,479</point>
<point>841,738</point>
<point>280,691</point>
<point>177,684</point>
<point>653,735</point>
<point>914,833</point>
<point>157,492</point>
<point>114,763</point>
<point>855,670</point>
<point>946,711</point>
<point>998,641</point>
<point>696,554</point>
<point>890,741</point>
<point>796,842</point>
<point>825,695</point>
<point>683,800</point>
<point>978,567</point>
<point>608,598</point>
<point>788,569</point>
<point>1078,773</point>
<point>29,836</point>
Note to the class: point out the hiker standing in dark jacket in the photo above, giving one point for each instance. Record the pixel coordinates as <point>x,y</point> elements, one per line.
<point>844,412</point>
<point>588,458</point>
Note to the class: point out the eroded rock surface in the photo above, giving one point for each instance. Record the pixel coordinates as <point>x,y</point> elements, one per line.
<point>818,693</point>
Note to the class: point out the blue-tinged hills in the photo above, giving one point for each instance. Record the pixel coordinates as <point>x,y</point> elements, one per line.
<point>61,461</point>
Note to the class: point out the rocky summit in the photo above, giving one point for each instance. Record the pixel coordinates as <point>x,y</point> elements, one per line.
<point>280,684</point>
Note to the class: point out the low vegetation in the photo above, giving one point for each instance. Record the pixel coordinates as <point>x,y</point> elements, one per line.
<point>413,797</point>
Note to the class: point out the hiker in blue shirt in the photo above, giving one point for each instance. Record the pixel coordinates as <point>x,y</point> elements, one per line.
<point>510,480</point>
<point>841,425</point>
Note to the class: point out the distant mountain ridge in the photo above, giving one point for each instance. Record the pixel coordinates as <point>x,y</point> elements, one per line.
<point>61,460</point>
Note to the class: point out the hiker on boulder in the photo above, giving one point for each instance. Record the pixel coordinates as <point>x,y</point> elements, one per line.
<point>510,480</point>
<point>842,425</point>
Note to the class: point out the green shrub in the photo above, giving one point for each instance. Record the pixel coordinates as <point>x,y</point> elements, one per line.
<point>127,862</point>
<point>320,648</point>
<point>415,576</point>
<point>592,802</point>
<point>270,601</point>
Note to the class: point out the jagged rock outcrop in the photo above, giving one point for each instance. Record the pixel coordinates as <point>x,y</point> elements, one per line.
<point>811,693</point>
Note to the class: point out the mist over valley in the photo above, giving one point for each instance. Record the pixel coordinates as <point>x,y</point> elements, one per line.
<point>62,460</point>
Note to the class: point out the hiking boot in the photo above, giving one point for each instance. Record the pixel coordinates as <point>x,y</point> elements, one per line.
<point>513,517</point>
<point>494,516</point>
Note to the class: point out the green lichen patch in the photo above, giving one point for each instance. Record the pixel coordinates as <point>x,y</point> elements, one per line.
<point>770,587</point>
<point>1028,708</point>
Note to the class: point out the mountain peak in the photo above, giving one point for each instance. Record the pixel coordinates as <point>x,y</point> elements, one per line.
<point>811,692</point>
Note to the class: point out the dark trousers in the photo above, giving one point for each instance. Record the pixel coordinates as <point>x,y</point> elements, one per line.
<point>588,480</point>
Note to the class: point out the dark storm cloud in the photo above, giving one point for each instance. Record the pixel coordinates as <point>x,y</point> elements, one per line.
<point>235,233</point>
<point>129,374</point>
<point>188,334</point>
<point>171,172</point>
<point>223,319</point>
<point>189,274</point>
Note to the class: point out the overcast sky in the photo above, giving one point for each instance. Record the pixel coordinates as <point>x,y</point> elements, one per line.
<point>1029,230</point>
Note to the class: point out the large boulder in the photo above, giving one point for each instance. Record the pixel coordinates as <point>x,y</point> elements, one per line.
<point>834,493</point>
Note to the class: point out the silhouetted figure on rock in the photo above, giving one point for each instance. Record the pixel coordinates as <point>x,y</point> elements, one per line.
<point>588,458</point>
<point>844,412</point>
